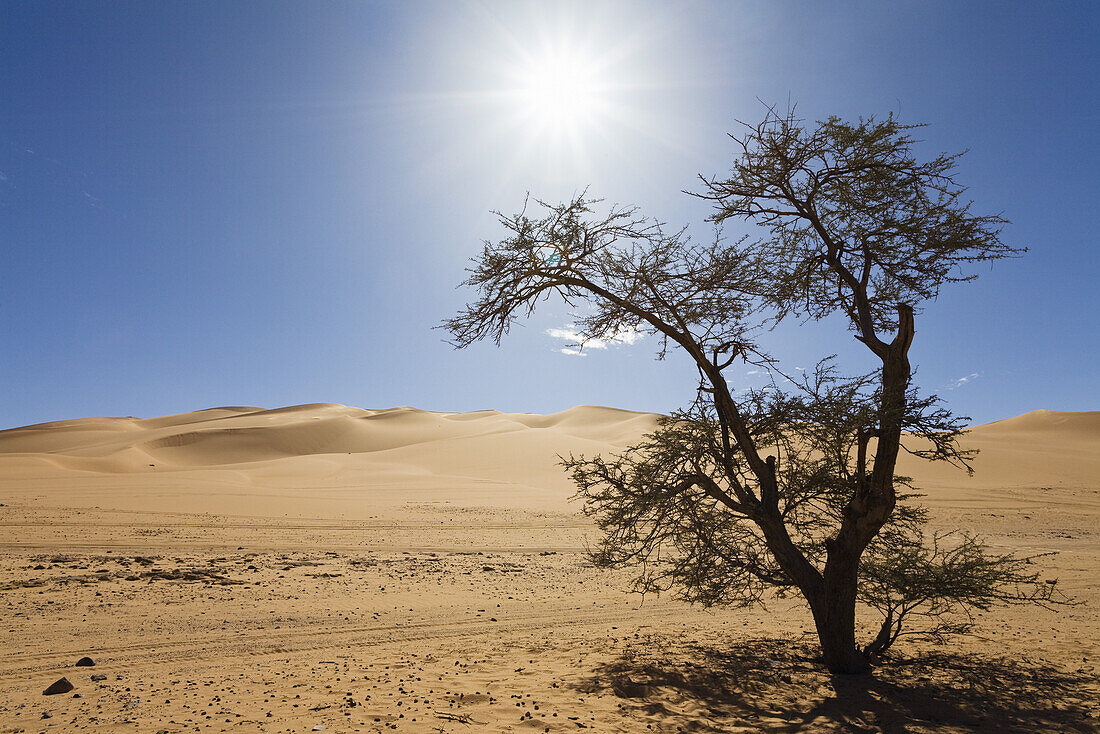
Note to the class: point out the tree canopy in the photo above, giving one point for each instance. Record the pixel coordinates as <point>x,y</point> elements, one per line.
<point>790,487</point>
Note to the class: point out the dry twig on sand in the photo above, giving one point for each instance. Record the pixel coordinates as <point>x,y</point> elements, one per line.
<point>460,718</point>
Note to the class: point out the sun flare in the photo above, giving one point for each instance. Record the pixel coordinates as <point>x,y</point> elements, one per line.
<point>560,91</point>
<point>564,94</point>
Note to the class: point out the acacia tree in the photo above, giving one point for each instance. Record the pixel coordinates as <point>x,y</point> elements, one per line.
<point>789,487</point>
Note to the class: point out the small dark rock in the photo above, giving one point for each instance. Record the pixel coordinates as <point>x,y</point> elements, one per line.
<point>61,685</point>
<point>85,662</point>
<point>99,677</point>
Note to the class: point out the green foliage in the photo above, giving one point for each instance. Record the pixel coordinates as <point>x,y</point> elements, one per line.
<point>849,203</point>
<point>669,505</point>
<point>930,586</point>
<point>782,488</point>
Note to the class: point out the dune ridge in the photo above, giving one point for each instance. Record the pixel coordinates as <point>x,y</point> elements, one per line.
<point>1012,451</point>
<point>316,460</point>
<point>233,435</point>
<point>363,458</point>
<point>1062,424</point>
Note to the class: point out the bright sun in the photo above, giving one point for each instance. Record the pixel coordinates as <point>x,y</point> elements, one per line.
<point>559,91</point>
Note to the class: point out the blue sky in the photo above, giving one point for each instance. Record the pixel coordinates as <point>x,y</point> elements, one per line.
<point>233,203</point>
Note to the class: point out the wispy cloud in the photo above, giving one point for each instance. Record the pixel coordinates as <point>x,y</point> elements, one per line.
<point>964,380</point>
<point>626,335</point>
<point>568,333</point>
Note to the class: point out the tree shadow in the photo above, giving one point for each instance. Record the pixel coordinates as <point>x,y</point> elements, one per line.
<point>781,686</point>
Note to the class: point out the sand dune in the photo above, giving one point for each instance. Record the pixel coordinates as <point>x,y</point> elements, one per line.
<point>244,569</point>
<point>1042,448</point>
<point>219,436</point>
<point>1082,425</point>
<point>1039,449</point>
<point>329,460</point>
<point>231,435</point>
<point>366,459</point>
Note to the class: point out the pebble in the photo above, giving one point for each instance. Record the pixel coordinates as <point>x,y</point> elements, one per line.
<point>85,662</point>
<point>61,685</point>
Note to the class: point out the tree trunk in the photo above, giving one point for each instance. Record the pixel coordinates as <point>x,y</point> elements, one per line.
<point>838,647</point>
<point>834,608</point>
<point>835,616</point>
<point>884,639</point>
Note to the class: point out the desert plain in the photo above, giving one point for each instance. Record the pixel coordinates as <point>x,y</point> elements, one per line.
<point>328,568</point>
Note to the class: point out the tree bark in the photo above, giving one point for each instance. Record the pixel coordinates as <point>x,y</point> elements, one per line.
<point>835,616</point>
<point>884,638</point>
<point>864,516</point>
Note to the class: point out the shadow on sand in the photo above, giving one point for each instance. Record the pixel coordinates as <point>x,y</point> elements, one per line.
<point>780,686</point>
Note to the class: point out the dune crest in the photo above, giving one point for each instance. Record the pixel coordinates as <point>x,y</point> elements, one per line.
<point>360,457</point>
<point>234,435</point>
<point>1085,424</point>
<point>241,434</point>
<point>404,454</point>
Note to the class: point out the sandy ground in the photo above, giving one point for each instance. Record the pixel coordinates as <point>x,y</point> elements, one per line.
<point>324,568</point>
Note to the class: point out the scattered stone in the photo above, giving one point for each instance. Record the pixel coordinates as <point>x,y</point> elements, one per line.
<point>61,685</point>
<point>47,715</point>
<point>99,676</point>
<point>85,662</point>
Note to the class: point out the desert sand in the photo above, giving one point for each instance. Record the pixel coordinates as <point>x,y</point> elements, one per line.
<point>327,568</point>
